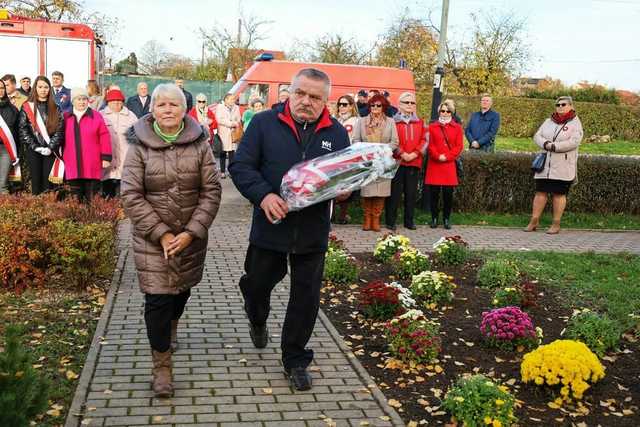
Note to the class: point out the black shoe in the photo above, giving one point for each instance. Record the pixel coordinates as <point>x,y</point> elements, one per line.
<point>410,226</point>
<point>299,378</point>
<point>434,223</point>
<point>447,224</point>
<point>259,335</point>
<point>390,227</point>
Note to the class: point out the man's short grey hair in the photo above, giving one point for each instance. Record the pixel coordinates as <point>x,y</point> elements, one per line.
<point>486,95</point>
<point>313,74</point>
<point>141,83</point>
<point>565,98</point>
<point>168,90</point>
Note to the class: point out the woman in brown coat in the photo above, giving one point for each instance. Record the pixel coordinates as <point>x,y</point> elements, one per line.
<point>171,192</point>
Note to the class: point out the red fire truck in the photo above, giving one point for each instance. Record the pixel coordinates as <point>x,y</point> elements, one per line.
<point>33,47</point>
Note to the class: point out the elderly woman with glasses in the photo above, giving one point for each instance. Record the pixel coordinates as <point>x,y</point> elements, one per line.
<point>171,192</point>
<point>445,146</point>
<point>376,128</point>
<point>559,136</point>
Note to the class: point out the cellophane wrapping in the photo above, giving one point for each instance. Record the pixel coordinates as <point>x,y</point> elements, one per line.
<point>325,177</point>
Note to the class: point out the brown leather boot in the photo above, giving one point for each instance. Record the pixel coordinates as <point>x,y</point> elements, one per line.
<point>376,211</point>
<point>366,207</point>
<point>174,336</point>
<point>532,226</point>
<point>162,376</point>
<point>555,228</point>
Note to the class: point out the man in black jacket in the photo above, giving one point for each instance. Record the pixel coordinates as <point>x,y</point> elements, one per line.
<point>139,103</point>
<point>300,129</point>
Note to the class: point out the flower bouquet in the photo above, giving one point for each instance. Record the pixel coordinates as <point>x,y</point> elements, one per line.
<point>325,177</point>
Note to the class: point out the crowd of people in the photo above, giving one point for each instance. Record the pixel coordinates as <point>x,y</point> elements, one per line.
<point>157,153</point>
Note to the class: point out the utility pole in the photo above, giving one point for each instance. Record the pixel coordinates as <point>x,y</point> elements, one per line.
<point>438,79</point>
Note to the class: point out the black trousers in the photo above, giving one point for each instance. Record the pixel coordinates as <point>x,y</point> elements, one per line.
<point>159,311</point>
<point>40,168</point>
<point>110,188</point>
<point>84,189</point>
<point>447,200</point>
<point>223,160</point>
<point>405,182</point>
<point>264,269</point>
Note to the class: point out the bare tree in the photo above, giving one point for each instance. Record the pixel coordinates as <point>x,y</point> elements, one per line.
<point>151,57</point>
<point>234,47</point>
<point>336,49</point>
<point>496,53</point>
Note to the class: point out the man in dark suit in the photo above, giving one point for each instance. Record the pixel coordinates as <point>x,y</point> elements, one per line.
<point>180,83</point>
<point>61,93</point>
<point>139,103</point>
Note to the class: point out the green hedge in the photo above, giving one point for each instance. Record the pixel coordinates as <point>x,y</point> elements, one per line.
<point>503,182</point>
<point>521,117</point>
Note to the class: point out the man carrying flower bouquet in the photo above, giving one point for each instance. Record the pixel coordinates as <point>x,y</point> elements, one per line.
<point>299,129</point>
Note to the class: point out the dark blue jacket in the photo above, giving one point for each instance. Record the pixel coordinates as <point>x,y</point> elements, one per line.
<point>483,127</point>
<point>269,148</point>
<point>63,99</point>
<point>135,106</point>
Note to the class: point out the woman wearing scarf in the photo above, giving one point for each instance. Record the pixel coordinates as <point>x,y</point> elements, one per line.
<point>118,119</point>
<point>348,117</point>
<point>171,192</point>
<point>445,146</point>
<point>376,128</point>
<point>87,147</point>
<point>203,114</point>
<point>9,161</point>
<point>412,134</point>
<point>559,136</point>
<point>41,131</point>
<point>228,117</point>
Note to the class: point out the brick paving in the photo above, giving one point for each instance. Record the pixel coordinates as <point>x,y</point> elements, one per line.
<point>220,378</point>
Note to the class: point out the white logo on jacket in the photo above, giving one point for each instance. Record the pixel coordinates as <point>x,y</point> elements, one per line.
<point>327,145</point>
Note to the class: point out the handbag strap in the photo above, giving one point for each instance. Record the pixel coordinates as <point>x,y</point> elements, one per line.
<point>560,130</point>
<point>446,140</point>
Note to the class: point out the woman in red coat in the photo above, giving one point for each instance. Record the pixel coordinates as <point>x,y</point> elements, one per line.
<point>445,146</point>
<point>204,115</point>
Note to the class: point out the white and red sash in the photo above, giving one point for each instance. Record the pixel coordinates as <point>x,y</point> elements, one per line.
<point>56,175</point>
<point>10,144</point>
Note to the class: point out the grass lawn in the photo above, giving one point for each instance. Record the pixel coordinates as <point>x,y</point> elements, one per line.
<point>616,147</point>
<point>607,283</point>
<point>57,329</point>
<point>569,219</point>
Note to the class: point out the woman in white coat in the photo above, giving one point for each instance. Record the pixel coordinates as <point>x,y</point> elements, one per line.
<point>118,119</point>
<point>228,117</point>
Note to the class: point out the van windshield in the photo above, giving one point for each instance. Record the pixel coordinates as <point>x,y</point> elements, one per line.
<point>254,91</point>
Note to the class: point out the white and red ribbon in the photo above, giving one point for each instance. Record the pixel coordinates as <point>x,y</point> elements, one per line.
<point>10,144</point>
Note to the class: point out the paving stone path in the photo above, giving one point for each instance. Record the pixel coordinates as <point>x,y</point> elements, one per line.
<point>220,379</point>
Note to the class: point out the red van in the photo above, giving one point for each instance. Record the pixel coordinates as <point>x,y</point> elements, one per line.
<point>266,77</point>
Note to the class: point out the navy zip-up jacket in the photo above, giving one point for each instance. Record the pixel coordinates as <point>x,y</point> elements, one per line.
<point>269,148</point>
<point>483,127</point>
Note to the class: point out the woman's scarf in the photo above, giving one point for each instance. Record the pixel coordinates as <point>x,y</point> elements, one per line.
<point>202,115</point>
<point>444,120</point>
<point>168,139</point>
<point>563,118</point>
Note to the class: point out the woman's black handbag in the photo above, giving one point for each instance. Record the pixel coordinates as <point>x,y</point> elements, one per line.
<point>538,162</point>
<point>216,146</point>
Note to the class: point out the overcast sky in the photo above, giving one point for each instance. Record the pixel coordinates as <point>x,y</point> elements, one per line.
<point>573,40</point>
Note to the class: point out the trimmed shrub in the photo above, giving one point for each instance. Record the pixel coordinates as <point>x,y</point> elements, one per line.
<point>503,182</point>
<point>23,393</point>
<point>521,117</point>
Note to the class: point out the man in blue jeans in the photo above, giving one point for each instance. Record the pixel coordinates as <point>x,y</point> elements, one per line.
<point>483,127</point>
<point>276,139</point>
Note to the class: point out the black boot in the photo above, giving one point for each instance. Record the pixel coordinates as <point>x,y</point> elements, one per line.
<point>259,335</point>
<point>434,223</point>
<point>447,224</point>
<point>299,378</point>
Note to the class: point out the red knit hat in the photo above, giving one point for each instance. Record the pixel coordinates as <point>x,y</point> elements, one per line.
<point>114,95</point>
